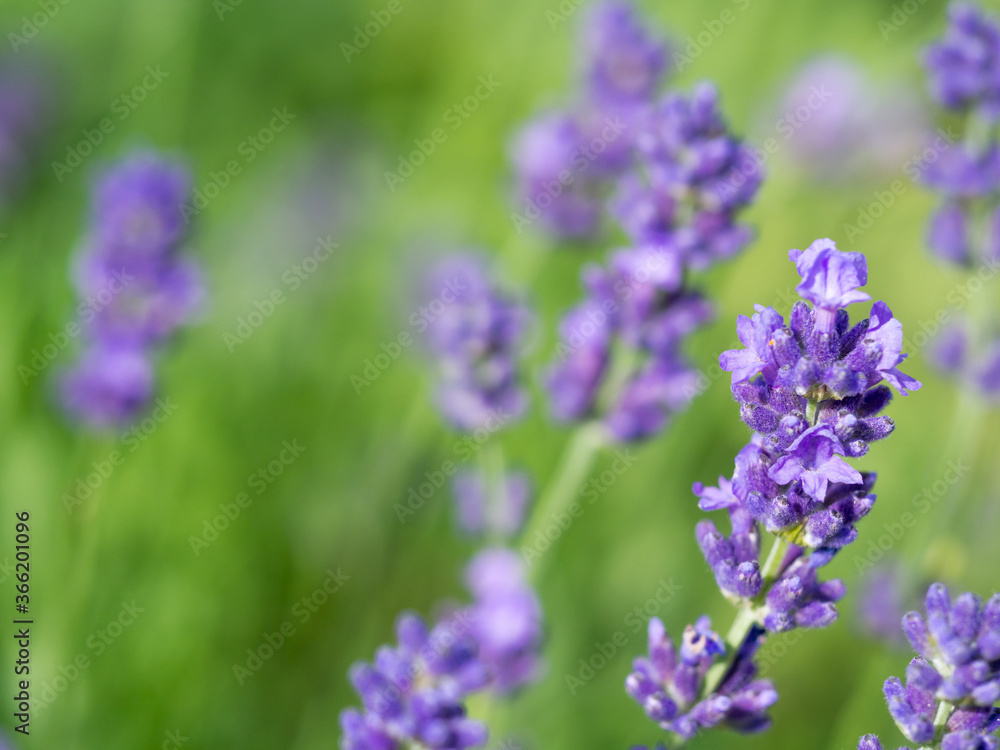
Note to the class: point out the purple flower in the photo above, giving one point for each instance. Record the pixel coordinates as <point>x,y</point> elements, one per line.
<point>668,683</point>
<point>830,279</point>
<point>696,178</point>
<point>624,65</point>
<point>25,113</point>
<point>638,307</point>
<point>413,693</point>
<point>950,350</point>
<point>477,339</point>
<point>957,672</point>
<point>757,335</point>
<point>964,172</point>
<point>553,183</point>
<point>506,619</point>
<point>815,459</point>
<point>987,375</point>
<point>886,333</point>
<point>882,603</point>
<point>818,355</point>
<point>490,510</point>
<point>964,67</point>
<point>109,385</point>
<point>574,382</point>
<point>137,287</point>
<point>948,234</point>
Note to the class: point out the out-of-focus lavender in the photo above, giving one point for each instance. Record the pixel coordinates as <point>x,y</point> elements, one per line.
<point>884,596</point>
<point>567,160</point>
<point>476,333</point>
<point>952,686</point>
<point>414,694</point>
<point>811,391</point>
<point>140,287</point>
<point>491,507</point>
<point>963,71</point>
<point>973,360</point>
<point>620,357</point>
<point>835,123</point>
<point>25,111</point>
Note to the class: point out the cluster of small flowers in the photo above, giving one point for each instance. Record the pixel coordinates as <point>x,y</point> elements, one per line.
<point>414,694</point>
<point>952,687</point>
<point>566,161</point>
<point>136,285</point>
<point>956,353</point>
<point>670,685</point>
<point>638,312</point>
<point>964,74</point>
<point>24,110</point>
<point>811,391</point>
<point>679,214</point>
<point>475,335</point>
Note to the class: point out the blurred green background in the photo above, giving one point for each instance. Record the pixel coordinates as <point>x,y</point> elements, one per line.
<point>228,65</point>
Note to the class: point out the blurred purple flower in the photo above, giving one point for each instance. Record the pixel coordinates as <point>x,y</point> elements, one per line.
<point>137,287</point>
<point>506,618</point>
<point>25,111</point>
<point>476,333</point>
<point>491,511</point>
<point>964,66</point>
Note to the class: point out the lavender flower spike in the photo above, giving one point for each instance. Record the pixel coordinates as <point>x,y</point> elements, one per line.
<point>952,687</point>
<point>812,392</point>
<point>477,339</point>
<point>131,269</point>
<point>413,695</point>
<point>669,683</point>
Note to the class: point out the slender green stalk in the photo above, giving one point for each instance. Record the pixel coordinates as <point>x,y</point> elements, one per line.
<point>944,712</point>
<point>746,618</point>
<point>495,484</point>
<point>576,461</point>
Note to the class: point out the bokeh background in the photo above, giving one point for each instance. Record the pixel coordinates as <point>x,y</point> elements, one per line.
<point>228,66</point>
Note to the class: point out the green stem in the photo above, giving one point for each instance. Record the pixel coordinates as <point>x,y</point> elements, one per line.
<point>944,712</point>
<point>495,484</point>
<point>573,467</point>
<point>746,618</point>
